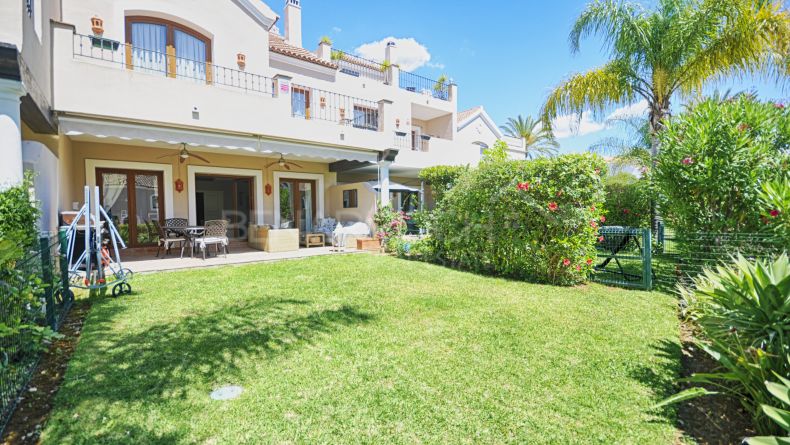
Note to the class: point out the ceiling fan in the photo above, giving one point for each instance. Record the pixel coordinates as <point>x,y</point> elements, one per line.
<point>283,163</point>
<point>185,154</point>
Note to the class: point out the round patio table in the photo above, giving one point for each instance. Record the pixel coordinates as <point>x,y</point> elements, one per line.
<point>190,233</point>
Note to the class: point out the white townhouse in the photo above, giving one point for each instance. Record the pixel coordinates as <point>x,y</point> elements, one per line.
<point>200,110</point>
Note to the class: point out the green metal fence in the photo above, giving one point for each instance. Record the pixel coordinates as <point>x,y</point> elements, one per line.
<point>19,348</point>
<point>679,257</point>
<point>629,257</point>
<point>624,257</point>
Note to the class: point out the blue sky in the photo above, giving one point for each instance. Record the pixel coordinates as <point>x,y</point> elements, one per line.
<point>505,56</point>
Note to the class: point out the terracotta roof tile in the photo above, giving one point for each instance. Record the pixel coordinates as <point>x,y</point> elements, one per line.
<point>278,45</point>
<point>466,114</point>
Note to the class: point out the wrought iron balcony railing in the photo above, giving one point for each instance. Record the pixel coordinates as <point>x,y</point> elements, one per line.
<point>313,103</point>
<point>167,64</point>
<point>438,89</point>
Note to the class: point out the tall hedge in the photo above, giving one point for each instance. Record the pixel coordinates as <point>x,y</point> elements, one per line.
<point>627,201</point>
<point>442,178</point>
<point>533,220</point>
<point>714,158</point>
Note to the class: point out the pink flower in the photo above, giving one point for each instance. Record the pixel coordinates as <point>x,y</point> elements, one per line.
<point>523,186</point>
<point>553,206</point>
<point>774,213</point>
<point>589,261</point>
<point>593,224</point>
<point>578,268</point>
<point>779,105</point>
<point>688,160</point>
<point>600,239</point>
<point>566,262</point>
<point>626,211</point>
<point>592,209</point>
<point>603,219</point>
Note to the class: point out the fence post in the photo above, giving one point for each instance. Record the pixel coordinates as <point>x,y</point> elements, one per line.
<point>46,272</point>
<point>64,264</point>
<point>660,235</point>
<point>647,259</point>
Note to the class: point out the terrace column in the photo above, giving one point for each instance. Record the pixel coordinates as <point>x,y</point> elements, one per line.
<point>11,171</point>
<point>384,182</point>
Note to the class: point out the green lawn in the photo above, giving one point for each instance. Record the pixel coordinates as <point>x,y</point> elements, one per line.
<point>368,349</point>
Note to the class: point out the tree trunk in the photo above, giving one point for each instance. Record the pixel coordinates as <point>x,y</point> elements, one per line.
<point>658,112</point>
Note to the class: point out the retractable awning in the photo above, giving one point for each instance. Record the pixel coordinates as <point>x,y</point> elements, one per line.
<point>151,134</point>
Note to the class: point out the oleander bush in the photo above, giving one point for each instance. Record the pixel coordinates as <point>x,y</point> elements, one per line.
<point>627,201</point>
<point>533,220</point>
<point>714,158</point>
<point>775,202</point>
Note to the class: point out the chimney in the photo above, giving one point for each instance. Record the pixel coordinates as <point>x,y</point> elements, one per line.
<point>293,23</point>
<point>390,52</point>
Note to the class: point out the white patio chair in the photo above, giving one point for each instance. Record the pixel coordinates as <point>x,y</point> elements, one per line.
<point>216,233</point>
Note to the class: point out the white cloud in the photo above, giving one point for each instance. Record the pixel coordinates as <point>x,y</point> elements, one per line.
<point>569,125</point>
<point>438,66</point>
<point>337,29</point>
<point>637,109</point>
<point>409,53</point>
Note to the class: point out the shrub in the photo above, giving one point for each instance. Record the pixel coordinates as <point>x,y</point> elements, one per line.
<point>534,220</point>
<point>780,391</point>
<point>389,223</point>
<point>414,248</point>
<point>442,178</point>
<point>713,159</point>
<point>627,201</point>
<point>742,311</point>
<point>775,202</point>
<point>19,214</point>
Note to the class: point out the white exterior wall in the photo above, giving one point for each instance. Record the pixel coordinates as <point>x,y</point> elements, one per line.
<point>93,87</point>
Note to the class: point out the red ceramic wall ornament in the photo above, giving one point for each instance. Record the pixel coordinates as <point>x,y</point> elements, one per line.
<point>179,185</point>
<point>268,189</point>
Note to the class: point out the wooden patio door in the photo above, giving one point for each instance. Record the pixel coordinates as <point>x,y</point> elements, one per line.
<point>133,199</point>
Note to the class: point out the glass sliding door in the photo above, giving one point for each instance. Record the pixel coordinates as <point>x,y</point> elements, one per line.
<point>133,199</point>
<point>297,205</point>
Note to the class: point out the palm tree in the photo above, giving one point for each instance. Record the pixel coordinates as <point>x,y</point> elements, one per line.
<point>535,138</point>
<point>633,147</point>
<point>674,49</point>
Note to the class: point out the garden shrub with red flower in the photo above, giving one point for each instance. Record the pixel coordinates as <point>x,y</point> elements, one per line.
<point>713,159</point>
<point>627,201</point>
<point>533,220</point>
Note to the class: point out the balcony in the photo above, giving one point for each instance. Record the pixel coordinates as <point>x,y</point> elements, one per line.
<point>356,66</point>
<point>438,89</point>
<point>126,56</point>
<point>315,104</point>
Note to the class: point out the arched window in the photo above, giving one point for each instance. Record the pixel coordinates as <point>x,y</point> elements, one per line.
<point>168,48</point>
<point>483,146</point>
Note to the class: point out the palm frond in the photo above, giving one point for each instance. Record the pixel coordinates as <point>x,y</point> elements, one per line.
<point>750,38</point>
<point>597,90</point>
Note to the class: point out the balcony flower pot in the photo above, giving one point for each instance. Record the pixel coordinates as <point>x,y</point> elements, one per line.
<point>241,60</point>
<point>97,25</point>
